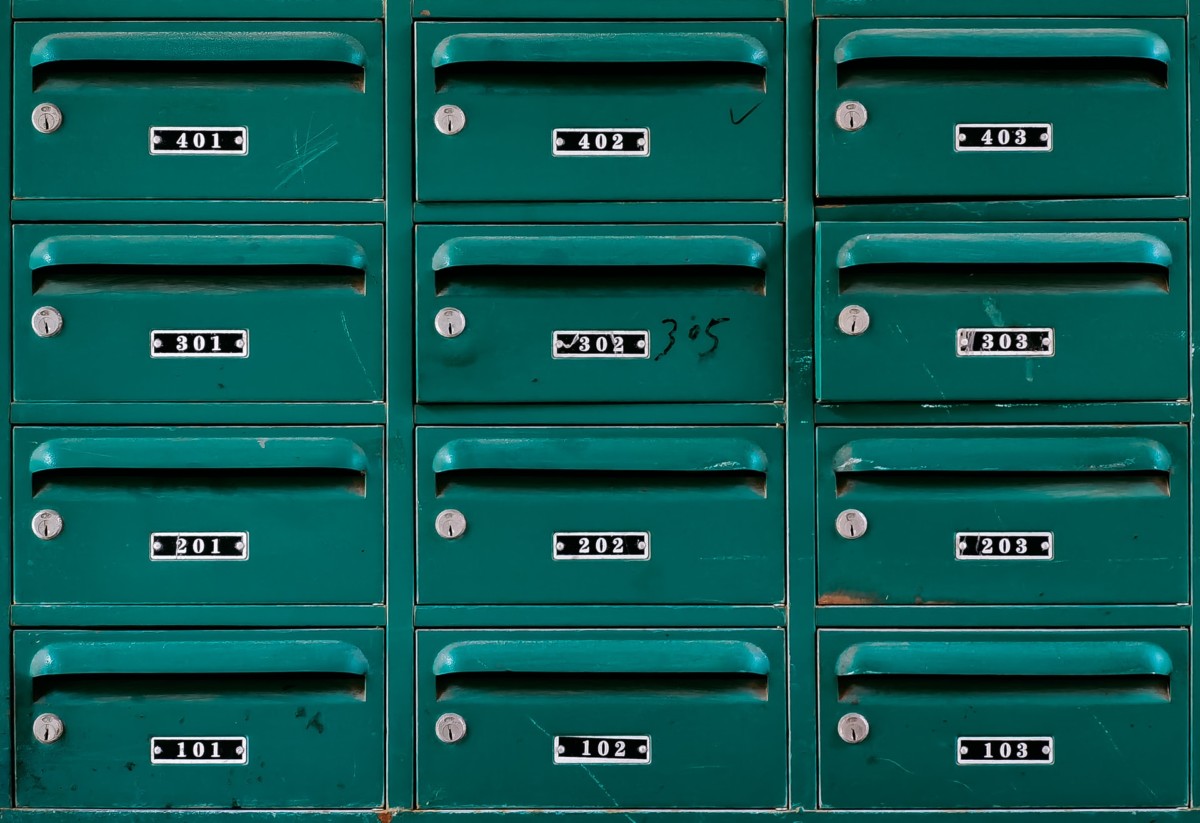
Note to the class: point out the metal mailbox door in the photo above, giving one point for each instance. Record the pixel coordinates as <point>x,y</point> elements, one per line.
<point>601,719</point>
<point>1002,311</point>
<point>1001,108</point>
<point>593,111</point>
<point>260,719</point>
<point>255,111</point>
<point>600,516</point>
<point>1003,719</point>
<point>1006,515</point>
<point>196,313</point>
<point>595,314</point>
<point>198,515</point>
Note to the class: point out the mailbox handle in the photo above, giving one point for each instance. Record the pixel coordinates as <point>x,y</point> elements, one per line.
<point>198,250</point>
<point>1033,658</point>
<point>166,657</point>
<point>208,46</point>
<point>208,453</point>
<point>602,657</point>
<point>645,454</point>
<point>995,454</point>
<point>1014,248</point>
<point>617,251</point>
<point>601,47</point>
<point>1083,44</point>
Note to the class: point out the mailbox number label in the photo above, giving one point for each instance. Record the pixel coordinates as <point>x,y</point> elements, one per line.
<point>1004,137</point>
<point>197,750</point>
<point>599,749</point>
<point>200,343</point>
<point>1004,546</point>
<point>211,140</point>
<point>601,142</point>
<point>1010,342</point>
<point>978,751</point>
<point>199,546</point>
<point>601,545</point>
<point>619,345</point>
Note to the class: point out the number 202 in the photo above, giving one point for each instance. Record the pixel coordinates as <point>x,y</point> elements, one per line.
<point>602,545</point>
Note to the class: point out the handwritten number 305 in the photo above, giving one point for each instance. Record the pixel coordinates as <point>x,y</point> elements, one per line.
<point>692,334</point>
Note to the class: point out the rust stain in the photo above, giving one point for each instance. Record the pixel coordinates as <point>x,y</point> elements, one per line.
<point>844,598</point>
<point>385,816</point>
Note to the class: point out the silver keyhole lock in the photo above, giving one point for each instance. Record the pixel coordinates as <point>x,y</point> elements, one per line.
<point>46,321</point>
<point>47,524</point>
<point>451,524</point>
<point>450,728</point>
<point>853,728</point>
<point>854,320</point>
<point>851,116</point>
<point>851,524</point>
<point>47,118</point>
<point>450,120</point>
<point>48,727</point>
<point>450,322</point>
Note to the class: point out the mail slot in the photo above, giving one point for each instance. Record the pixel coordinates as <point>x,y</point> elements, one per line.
<point>1011,719</point>
<point>1025,515</point>
<point>1001,108</point>
<point>601,719</point>
<point>600,516</point>
<point>609,313</point>
<point>199,719</point>
<point>1002,311</point>
<point>593,111</point>
<point>253,111</point>
<point>198,515</point>
<point>119,313</point>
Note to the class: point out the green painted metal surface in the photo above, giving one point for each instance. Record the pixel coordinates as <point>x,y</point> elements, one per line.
<point>308,706</point>
<point>210,9</point>
<point>710,95</point>
<point>711,702</point>
<point>705,303</point>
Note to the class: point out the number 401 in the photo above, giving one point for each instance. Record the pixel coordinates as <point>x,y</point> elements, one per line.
<point>199,140</point>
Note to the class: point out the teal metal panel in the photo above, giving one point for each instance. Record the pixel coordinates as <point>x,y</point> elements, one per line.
<point>627,414</point>
<point>1001,8</point>
<point>185,413</point>
<point>210,10</point>
<point>599,9</point>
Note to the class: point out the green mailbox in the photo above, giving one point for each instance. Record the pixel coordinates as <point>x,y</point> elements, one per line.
<point>1002,311</point>
<point>232,515</point>
<point>199,719</point>
<point>1010,515</point>
<point>252,111</point>
<point>600,516</point>
<point>1003,719</point>
<point>599,111</point>
<point>599,314</point>
<point>192,313</point>
<point>1004,107</point>
<point>601,719</point>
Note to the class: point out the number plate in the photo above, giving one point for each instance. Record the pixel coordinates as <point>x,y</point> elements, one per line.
<point>212,140</point>
<point>1004,546</point>
<point>199,546</point>
<point>1012,342</point>
<point>198,750</point>
<point>200,343</point>
<point>602,546</point>
<point>1004,137</point>
<point>981,751</point>
<point>601,142</point>
<point>631,749</point>
<point>621,345</point>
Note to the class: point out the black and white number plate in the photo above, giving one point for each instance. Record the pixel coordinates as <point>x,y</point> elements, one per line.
<point>601,142</point>
<point>980,751</point>
<point>199,546</point>
<point>1004,546</point>
<point>1006,342</point>
<point>211,140</point>
<point>621,345</point>
<point>197,750</point>
<point>200,343</point>
<point>601,545</point>
<point>631,749</point>
<point>1004,137</point>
